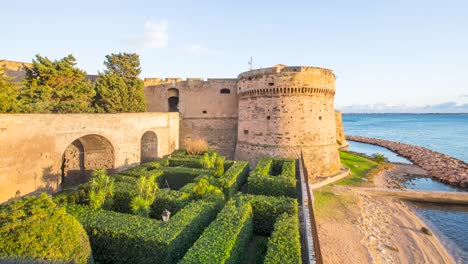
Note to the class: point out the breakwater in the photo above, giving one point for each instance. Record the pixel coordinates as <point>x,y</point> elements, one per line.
<point>440,166</point>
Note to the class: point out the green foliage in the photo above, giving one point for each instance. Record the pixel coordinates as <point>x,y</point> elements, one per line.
<point>147,188</point>
<point>119,89</point>
<point>102,188</point>
<point>191,162</point>
<point>124,192</point>
<point>225,239</point>
<point>263,181</point>
<point>267,209</point>
<point>124,238</point>
<point>34,229</point>
<point>234,178</point>
<point>284,245</point>
<point>203,189</point>
<point>8,94</point>
<point>171,200</point>
<point>379,158</point>
<point>56,87</point>
<point>219,166</point>
<point>209,159</point>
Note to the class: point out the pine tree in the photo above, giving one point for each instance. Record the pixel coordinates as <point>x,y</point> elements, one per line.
<point>8,94</point>
<point>119,89</point>
<point>56,87</point>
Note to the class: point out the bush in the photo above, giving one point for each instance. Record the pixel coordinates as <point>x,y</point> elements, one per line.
<point>284,245</point>
<point>267,209</point>
<point>191,162</point>
<point>171,200</point>
<point>146,194</point>
<point>180,176</point>
<point>124,238</point>
<point>36,229</point>
<point>219,166</point>
<point>195,146</point>
<point>379,158</point>
<point>209,159</point>
<point>234,178</point>
<point>124,192</point>
<point>284,184</point>
<point>225,239</point>
<point>101,189</point>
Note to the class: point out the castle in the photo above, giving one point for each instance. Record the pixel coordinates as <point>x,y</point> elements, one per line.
<point>280,111</point>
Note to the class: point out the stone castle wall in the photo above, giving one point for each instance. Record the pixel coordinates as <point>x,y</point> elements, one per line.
<point>286,110</point>
<point>37,150</point>
<point>205,111</point>
<point>340,134</point>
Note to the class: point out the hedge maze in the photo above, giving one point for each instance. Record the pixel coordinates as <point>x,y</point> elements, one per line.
<point>211,220</point>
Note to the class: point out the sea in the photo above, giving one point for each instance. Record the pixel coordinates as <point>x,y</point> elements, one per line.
<point>445,133</point>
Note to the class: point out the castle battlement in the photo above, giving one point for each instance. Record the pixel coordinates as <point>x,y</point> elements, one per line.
<point>281,68</point>
<point>177,80</point>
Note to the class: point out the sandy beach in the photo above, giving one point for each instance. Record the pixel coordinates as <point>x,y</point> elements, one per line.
<point>378,229</point>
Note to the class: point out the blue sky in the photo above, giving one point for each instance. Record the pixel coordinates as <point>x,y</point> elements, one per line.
<point>384,53</point>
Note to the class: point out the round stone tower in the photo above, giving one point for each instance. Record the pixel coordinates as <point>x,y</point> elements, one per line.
<point>284,111</point>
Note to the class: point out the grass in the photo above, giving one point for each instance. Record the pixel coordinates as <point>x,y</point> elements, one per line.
<point>360,168</point>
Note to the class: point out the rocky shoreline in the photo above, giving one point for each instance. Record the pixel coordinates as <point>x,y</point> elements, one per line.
<point>439,166</point>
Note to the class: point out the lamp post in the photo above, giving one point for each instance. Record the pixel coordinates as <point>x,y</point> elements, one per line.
<point>166,215</point>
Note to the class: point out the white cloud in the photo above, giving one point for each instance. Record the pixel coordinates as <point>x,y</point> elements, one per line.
<point>156,35</point>
<point>196,50</point>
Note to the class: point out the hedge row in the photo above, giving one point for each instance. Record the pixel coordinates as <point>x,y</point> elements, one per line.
<point>284,245</point>
<point>233,178</point>
<point>264,181</point>
<point>191,162</point>
<point>35,229</point>
<point>267,209</point>
<point>171,200</point>
<point>125,238</point>
<point>225,239</point>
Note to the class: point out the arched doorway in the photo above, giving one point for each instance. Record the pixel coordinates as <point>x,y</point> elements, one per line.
<point>173,100</point>
<point>149,146</point>
<point>84,155</point>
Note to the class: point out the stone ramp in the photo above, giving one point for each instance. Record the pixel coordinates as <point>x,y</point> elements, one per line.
<point>412,195</point>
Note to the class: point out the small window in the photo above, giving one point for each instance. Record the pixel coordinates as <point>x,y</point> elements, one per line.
<point>225,91</point>
<point>320,117</point>
<point>268,117</point>
<point>204,111</point>
<point>271,84</point>
<point>246,132</point>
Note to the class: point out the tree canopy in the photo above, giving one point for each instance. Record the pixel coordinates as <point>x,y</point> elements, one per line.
<point>56,87</point>
<point>118,88</point>
<point>8,94</point>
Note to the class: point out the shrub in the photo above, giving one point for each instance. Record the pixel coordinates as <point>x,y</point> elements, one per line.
<point>283,184</point>
<point>234,178</point>
<point>225,239</point>
<point>102,188</point>
<point>284,245</point>
<point>209,159</point>
<point>124,192</point>
<point>195,146</point>
<point>146,194</point>
<point>267,209</point>
<point>171,200</point>
<point>35,229</point>
<point>124,238</point>
<point>379,158</point>
<point>219,166</point>
<point>191,162</point>
<point>176,178</point>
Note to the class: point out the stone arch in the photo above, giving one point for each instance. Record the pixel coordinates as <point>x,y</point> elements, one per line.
<point>149,147</point>
<point>83,155</point>
<point>173,99</point>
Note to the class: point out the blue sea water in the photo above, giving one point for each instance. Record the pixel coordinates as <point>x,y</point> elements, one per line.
<point>445,133</point>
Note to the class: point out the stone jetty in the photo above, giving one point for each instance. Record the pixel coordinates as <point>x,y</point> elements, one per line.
<point>440,166</point>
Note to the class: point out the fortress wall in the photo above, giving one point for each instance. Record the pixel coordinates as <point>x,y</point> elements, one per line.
<point>286,110</point>
<point>340,134</point>
<point>204,111</point>
<point>33,146</point>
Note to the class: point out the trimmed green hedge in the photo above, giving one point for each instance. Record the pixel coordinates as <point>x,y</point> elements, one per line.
<point>171,200</point>
<point>123,195</point>
<point>35,229</point>
<point>234,178</point>
<point>225,239</point>
<point>267,209</point>
<point>263,181</point>
<point>191,162</point>
<point>284,245</point>
<point>125,238</point>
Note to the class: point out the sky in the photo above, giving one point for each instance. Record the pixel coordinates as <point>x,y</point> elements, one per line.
<point>387,55</point>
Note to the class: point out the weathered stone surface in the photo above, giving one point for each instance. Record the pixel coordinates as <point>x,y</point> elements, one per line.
<point>38,151</point>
